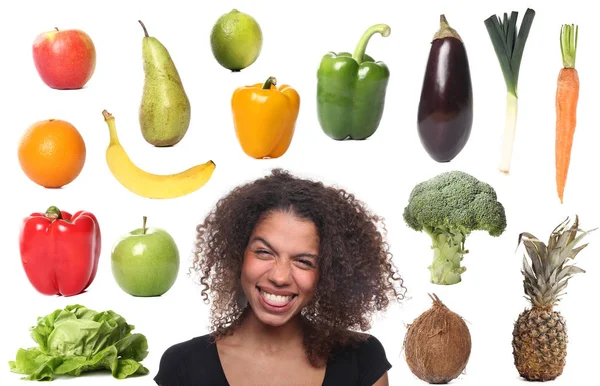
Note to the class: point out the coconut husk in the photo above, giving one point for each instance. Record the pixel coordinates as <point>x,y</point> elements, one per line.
<point>437,344</point>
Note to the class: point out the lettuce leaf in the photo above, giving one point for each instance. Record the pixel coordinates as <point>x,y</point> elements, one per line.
<point>78,340</point>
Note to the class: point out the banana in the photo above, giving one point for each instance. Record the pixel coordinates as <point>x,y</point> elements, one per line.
<point>140,182</point>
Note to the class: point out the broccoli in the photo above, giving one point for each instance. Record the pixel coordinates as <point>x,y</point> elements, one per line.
<point>448,207</point>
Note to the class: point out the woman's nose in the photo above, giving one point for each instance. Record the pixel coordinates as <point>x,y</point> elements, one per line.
<point>280,274</point>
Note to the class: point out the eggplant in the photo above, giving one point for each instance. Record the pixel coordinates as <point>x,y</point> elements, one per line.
<point>446,106</point>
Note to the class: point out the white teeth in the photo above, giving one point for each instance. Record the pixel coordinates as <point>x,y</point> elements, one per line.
<point>276,299</point>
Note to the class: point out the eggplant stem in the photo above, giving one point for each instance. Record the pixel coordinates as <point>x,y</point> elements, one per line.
<point>446,31</point>
<point>509,132</point>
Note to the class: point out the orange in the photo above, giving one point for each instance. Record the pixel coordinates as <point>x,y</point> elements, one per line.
<point>52,153</point>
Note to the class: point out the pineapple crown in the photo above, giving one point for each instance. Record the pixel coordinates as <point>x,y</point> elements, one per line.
<point>547,275</point>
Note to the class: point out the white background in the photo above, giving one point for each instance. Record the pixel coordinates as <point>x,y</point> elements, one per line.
<point>380,171</point>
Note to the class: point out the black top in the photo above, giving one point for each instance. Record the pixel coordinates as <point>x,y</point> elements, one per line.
<point>196,363</point>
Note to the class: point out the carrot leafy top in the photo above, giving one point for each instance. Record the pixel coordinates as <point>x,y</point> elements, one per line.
<point>568,44</point>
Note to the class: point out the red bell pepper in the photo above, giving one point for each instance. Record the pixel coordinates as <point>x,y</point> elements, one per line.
<point>60,251</point>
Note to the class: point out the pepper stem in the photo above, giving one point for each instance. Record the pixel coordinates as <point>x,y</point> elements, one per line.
<point>53,213</point>
<point>144,225</point>
<point>270,81</point>
<point>445,30</point>
<point>361,47</point>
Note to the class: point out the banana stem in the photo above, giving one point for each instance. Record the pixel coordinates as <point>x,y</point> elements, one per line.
<point>110,121</point>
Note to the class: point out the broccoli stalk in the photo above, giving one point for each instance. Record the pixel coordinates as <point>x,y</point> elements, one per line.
<point>447,208</point>
<point>448,250</point>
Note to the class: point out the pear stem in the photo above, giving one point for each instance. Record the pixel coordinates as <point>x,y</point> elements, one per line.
<point>144,27</point>
<point>144,225</point>
<point>270,81</point>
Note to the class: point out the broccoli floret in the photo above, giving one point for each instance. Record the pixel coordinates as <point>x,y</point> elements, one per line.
<point>448,207</point>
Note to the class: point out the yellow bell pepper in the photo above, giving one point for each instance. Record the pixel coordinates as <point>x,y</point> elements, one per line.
<point>264,117</point>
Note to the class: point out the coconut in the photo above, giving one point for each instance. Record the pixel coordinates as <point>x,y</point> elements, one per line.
<point>437,344</point>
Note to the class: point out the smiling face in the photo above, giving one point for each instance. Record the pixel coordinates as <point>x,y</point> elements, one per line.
<point>279,274</point>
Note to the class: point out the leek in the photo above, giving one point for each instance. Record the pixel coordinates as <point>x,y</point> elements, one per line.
<point>509,42</point>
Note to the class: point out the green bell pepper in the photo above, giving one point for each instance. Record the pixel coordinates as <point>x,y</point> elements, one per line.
<point>351,90</point>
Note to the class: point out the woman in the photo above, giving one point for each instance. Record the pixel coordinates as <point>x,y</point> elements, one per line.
<point>293,268</point>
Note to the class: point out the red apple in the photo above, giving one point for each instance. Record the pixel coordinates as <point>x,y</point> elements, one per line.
<point>64,59</point>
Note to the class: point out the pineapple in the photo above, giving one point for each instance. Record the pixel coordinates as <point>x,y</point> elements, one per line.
<point>540,333</point>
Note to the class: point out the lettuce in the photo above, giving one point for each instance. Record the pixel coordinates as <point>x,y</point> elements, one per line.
<point>77,340</point>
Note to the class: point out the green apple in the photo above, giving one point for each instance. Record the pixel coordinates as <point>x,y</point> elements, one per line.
<point>145,262</point>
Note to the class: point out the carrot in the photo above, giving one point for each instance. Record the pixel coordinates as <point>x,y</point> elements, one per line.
<point>567,96</point>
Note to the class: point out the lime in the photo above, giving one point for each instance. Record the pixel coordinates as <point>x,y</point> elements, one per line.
<point>236,40</point>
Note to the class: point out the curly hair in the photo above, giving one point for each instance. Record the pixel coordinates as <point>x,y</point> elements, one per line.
<point>356,273</point>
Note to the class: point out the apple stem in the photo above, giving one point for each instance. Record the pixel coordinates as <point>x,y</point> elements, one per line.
<point>144,225</point>
<point>56,28</point>
<point>144,27</point>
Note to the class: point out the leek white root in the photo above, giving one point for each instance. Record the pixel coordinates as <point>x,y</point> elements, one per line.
<point>509,132</point>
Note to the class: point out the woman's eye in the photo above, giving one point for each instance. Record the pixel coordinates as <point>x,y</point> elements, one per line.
<point>306,263</point>
<point>262,252</point>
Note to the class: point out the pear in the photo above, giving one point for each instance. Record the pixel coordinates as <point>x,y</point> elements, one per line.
<point>165,110</point>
